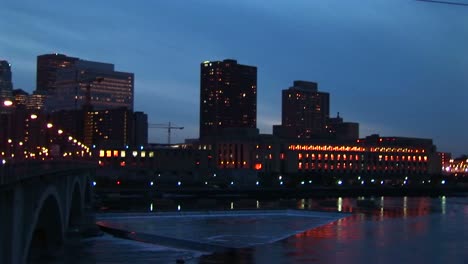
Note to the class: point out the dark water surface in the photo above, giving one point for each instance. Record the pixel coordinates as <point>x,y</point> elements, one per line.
<point>386,230</point>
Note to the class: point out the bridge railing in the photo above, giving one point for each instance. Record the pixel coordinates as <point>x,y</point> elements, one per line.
<point>12,171</point>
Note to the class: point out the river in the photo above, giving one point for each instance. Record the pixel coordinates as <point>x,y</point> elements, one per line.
<point>388,230</point>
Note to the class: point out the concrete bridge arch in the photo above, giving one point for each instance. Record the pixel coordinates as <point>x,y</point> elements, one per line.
<point>39,210</point>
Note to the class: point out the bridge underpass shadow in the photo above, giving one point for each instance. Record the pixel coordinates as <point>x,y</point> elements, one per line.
<point>76,211</point>
<point>47,238</point>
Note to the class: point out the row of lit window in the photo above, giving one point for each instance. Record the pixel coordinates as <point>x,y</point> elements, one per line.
<point>223,162</point>
<point>123,154</point>
<point>351,166</point>
<point>327,156</point>
<point>352,149</point>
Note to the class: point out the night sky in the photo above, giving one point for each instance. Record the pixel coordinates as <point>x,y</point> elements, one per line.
<point>398,67</point>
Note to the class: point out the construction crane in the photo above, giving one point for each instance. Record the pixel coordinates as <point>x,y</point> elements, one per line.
<point>167,126</point>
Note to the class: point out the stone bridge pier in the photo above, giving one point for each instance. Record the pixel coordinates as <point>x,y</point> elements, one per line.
<point>38,207</point>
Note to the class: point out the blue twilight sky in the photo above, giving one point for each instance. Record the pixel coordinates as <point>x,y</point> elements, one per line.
<point>398,67</point>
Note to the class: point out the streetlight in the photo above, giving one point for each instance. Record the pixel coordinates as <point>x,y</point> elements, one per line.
<point>7,103</point>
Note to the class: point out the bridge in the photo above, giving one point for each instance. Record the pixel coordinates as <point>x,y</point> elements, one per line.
<point>40,202</point>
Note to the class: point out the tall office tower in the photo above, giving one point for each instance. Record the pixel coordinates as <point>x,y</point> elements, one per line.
<point>47,67</point>
<point>94,85</point>
<point>108,128</point>
<point>305,111</point>
<point>6,86</point>
<point>228,97</point>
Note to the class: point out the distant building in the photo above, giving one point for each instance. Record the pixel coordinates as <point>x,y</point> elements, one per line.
<point>445,158</point>
<point>113,128</point>
<point>265,160</point>
<point>228,97</point>
<point>47,68</point>
<point>140,129</point>
<point>343,131</point>
<point>6,85</point>
<point>92,84</point>
<point>37,100</point>
<point>110,128</point>
<point>20,97</point>
<point>305,111</point>
<point>33,101</point>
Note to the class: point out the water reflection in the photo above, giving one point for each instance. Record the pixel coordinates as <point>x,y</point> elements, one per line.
<point>443,204</point>
<point>375,208</point>
<point>379,230</point>
<point>396,230</point>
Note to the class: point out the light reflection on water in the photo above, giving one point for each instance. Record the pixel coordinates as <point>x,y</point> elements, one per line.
<point>380,230</point>
<point>395,230</point>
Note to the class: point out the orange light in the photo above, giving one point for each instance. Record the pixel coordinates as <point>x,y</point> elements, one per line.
<point>258,166</point>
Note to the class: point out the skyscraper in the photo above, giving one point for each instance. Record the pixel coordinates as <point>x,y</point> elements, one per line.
<point>47,67</point>
<point>93,84</point>
<point>228,97</point>
<point>6,86</point>
<point>305,111</point>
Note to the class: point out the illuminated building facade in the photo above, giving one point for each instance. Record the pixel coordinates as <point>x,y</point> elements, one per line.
<point>34,102</point>
<point>268,160</point>
<point>37,100</point>
<point>115,128</point>
<point>108,128</point>
<point>380,157</point>
<point>305,111</point>
<point>228,97</point>
<point>6,85</point>
<point>175,166</point>
<point>21,97</point>
<point>457,168</point>
<point>48,66</point>
<point>91,84</point>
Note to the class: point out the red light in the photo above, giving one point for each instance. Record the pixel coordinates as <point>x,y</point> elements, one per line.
<point>258,166</point>
<point>118,182</point>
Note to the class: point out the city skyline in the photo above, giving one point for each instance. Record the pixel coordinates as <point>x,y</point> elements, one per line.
<point>383,68</point>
